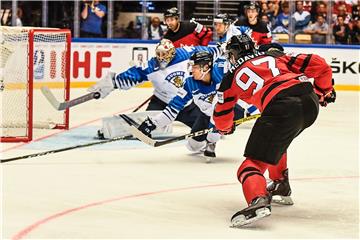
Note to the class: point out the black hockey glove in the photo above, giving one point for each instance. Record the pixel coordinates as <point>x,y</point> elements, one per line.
<point>228,131</point>
<point>147,126</point>
<point>329,98</point>
<point>325,98</point>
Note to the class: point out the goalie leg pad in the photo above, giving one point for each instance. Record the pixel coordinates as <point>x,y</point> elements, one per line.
<point>117,127</point>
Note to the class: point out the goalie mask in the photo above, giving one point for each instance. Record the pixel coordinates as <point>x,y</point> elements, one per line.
<point>202,59</point>
<point>165,52</point>
<point>238,46</point>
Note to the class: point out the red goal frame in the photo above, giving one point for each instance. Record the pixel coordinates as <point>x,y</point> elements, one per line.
<point>30,81</point>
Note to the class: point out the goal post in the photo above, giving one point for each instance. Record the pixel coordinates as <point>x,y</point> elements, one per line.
<point>31,58</point>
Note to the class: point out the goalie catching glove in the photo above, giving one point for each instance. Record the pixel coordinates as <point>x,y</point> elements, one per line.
<point>105,86</point>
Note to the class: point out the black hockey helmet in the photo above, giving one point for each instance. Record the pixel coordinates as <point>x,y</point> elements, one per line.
<point>252,5</point>
<point>222,18</point>
<point>201,58</point>
<point>240,45</point>
<point>171,12</point>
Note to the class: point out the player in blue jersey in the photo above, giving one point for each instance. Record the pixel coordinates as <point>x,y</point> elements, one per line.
<point>167,72</point>
<point>225,27</point>
<point>201,88</point>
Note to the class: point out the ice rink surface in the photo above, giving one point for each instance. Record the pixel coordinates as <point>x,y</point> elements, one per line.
<point>127,189</point>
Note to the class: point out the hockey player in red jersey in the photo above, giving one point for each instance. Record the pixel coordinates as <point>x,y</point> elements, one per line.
<point>276,83</point>
<point>259,30</point>
<point>185,33</point>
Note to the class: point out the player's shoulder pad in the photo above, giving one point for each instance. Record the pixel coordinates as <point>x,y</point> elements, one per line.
<point>226,82</point>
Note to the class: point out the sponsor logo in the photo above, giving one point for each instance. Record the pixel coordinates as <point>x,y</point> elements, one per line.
<point>338,66</point>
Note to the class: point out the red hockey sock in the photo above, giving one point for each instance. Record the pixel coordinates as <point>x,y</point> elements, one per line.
<point>250,174</point>
<point>275,172</point>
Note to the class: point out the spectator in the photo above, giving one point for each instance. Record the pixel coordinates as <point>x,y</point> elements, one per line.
<point>301,17</point>
<point>19,16</point>
<point>355,13</point>
<point>92,15</point>
<point>154,31</point>
<point>307,6</point>
<point>130,31</point>
<point>282,20</point>
<point>268,10</point>
<point>355,33</point>
<point>320,9</point>
<point>265,19</point>
<point>342,12</point>
<point>341,31</point>
<point>343,4</point>
<point>318,30</point>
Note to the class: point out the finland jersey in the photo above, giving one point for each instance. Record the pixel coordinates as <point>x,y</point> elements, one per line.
<point>234,30</point>
<point>166,81</point>
<point>196,90</point>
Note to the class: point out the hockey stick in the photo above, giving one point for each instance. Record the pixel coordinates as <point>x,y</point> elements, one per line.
<point>141,105</point>
<point>152,142</point>
<point>60,106</point>
<point>64,149</point>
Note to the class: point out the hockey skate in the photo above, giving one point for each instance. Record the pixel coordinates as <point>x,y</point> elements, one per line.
<point>209,152</point>
<point>259,208</point>
<point>280,190</point>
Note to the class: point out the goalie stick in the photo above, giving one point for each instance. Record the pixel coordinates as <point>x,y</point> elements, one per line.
<point>64,149</point>
<point>60,106</point>
<point>152,142</point>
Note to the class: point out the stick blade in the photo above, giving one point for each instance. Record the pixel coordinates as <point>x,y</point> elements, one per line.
<point>51,98</point>
<point>142,137</point>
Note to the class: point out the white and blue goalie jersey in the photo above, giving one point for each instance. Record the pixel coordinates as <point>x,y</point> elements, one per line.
<point>166,81</point>
<point>198,91</point>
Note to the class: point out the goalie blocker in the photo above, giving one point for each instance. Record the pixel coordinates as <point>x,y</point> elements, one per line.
<point>115,126</point>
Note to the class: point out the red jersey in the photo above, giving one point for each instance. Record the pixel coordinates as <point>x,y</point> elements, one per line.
<point>190,34</point>
<point>260,32</point>
<point>257,78</point>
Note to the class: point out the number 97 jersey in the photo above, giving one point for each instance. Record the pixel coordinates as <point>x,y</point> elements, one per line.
<point>256,78</point>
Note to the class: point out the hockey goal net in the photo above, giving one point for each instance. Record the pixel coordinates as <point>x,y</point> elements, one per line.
<point>31,58</point>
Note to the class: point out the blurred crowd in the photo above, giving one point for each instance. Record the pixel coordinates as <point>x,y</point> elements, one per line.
<point>307,21</point>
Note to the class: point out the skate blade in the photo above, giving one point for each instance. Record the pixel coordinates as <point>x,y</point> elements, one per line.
<point>282,200</point>
<point>241,220</point>
<point>209,159</point>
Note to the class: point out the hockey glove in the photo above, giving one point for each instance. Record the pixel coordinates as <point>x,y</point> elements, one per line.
<point>147,126</point>
<point>105,86</point>
<point>227,131</point>
<point>325,98</point>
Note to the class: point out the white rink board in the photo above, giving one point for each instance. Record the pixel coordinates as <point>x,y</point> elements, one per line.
<point>101,57</point>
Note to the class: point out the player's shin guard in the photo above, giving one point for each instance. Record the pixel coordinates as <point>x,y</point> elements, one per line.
<point>250,174</point>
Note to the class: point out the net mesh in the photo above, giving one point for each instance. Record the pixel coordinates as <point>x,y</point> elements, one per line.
<point>49,68</point>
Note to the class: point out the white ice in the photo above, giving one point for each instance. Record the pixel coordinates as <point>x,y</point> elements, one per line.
<point>129,190</point>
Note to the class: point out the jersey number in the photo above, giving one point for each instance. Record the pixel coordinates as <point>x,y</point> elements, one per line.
<point>253,77</point>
